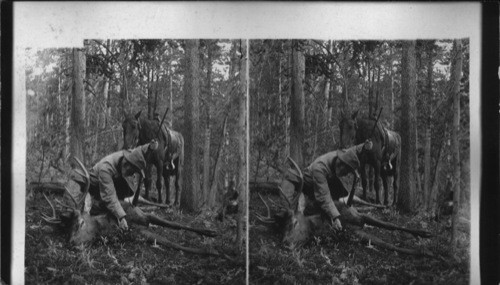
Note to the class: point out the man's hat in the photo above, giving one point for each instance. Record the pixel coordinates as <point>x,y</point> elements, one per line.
<point>349,157</point>
<point>136,157</point>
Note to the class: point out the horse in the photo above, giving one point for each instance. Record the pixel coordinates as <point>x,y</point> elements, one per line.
<point>167,159</point>
<point>174,161</point>
<point>384,157</point>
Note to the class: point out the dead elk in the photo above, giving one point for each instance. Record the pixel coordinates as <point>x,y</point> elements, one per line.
<point>298,229</point>
<point>85,227</point>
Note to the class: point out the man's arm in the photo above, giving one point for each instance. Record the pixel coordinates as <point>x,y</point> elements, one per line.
<point>108,194</point>
<point>322,194</point>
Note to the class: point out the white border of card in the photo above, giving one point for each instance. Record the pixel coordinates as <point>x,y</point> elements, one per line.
<point>66,24</point>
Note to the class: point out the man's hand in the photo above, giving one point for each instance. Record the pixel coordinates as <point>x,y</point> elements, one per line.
<point>336,225</point>
<point>122,224</point>
<point>153,144</point>
<point>368,144</point>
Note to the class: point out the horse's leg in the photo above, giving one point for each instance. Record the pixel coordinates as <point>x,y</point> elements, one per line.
<point>178,182</point>
<point>363,179</point>
<point>386,188</point>
<point>166,178</point>
<point>395,182</point>
<point>369,220</point>
<point>370,178</point>
<point>147,181</point>
<point>159,168</point>
<point>376,184</point>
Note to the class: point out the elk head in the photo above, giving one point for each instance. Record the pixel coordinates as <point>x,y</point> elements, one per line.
<point>296,228</point>
<point>82,227</point>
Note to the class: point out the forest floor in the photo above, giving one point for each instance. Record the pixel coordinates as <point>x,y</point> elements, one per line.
<point>124,259</point>
<point>344,259</point>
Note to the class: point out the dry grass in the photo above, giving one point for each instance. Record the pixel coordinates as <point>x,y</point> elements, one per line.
<point>123,258</point>
<point>343,259</point>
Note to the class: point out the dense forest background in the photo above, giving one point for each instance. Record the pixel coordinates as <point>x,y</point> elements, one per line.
<point>76,102</point>
<point>128,76</point>
<point>341,77</point>
<point>299,92</point>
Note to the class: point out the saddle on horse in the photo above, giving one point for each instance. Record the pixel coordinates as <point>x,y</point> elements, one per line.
<point>391,147</point>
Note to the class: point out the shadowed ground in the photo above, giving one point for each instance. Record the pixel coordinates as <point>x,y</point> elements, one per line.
<point>124,259</point>
<point>344,259</point>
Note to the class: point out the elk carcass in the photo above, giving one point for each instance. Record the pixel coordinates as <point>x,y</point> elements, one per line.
<point>298,228</point>
<point>84,227</point>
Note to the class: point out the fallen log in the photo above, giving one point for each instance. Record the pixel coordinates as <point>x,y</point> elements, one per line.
<point>264,186</point>
<point>46,187</point>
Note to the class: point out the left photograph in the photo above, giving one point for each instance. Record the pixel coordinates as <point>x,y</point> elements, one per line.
<point>136,162</point>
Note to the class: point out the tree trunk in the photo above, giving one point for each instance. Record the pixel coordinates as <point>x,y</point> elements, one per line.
<point>408,128</point>
<point>427,167</point>
<point>149,90</point>
<point>190,198</point>
<point>428,130</point>
<point>107,103</point>
<point>418,185</point>
<point>206,148</point>
<point>77,135</point>
<point>393,115</point>
<point>125,100</point>
<point>377,90</point>
<point>370,88</point>
<point>215,178</point>
<point>105,91</point>
<point>171,103</point>
<point>297,105</point>
<point>280,84</point>
<point>326,91</point>
<point>433,196</point>
<point>316,132</point>
<point>242,144</point>
<point>156,91</point>
<point>456,72</point>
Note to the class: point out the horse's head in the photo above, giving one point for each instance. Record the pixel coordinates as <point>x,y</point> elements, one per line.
<point>348,127</point>
<point>131,127</point>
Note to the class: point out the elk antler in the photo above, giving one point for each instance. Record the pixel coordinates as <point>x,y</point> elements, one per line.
<point>278,205</point>
<point>300,174</point>
<point>286,199</point>
<point>54,219</point>
<point>265,219</point>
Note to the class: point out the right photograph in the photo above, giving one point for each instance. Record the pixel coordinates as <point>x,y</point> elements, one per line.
<point>359,161</point>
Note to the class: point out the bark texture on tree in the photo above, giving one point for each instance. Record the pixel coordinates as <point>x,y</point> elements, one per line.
<point>456,75</point>
<point>242,144</point>
<point>191,192</point>
<point>150,93</point>
<point>77,122</point>
<point>428,130</point>
<point>206,146</point>
<point>406,196</point>
<point>297,105</point>
<point>433,196</point>
<point>217,165</point>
